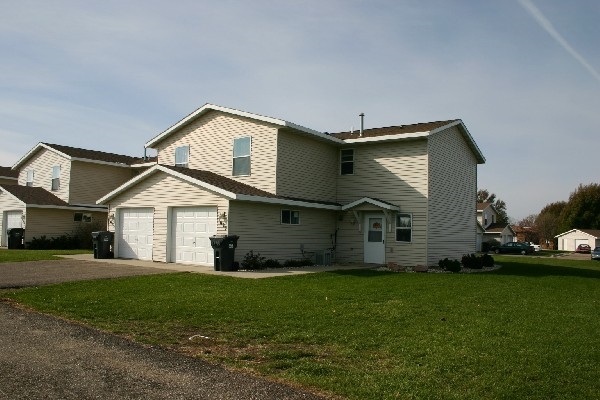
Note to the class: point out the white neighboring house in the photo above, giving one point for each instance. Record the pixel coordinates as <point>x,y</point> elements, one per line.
<point>568,241</point>
<point>487,217</point>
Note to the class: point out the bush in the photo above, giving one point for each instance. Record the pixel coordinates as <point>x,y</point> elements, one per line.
<point>450,265</point>
<point>64,242</point>
<point>297,263</point>
<point>487,261</point>
<point>253,261</point>
<point>477,262</point>
<point>271,264</point>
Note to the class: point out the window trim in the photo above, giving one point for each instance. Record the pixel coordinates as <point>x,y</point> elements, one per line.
<point>249,156</point>
<point>401,228</point>
<point>291,217</point>
<point>83,217</point>
<point>342,161</point>
<point>55,182</point>
<point>187,156</point>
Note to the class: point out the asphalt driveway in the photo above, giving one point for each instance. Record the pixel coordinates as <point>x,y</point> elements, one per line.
<point>43,357</point>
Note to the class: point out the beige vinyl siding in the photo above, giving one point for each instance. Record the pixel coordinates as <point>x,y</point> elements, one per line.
<point>453,197</point>
<point>163,192</point>
<point>259,228</point>
<point>91,181</point>
<point>52,222</point>
<point>210,138</point>
<point>41,163</point>
<point>306,168</point>
<point>395,172</point>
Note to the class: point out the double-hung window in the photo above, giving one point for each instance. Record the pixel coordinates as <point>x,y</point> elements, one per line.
<point>347,162</point>
<point>182,156</point>
<point>404,228</point>
<point>241,156</point>
<point>56,177</point>
<point>29,178</point>
<point>290,217</point>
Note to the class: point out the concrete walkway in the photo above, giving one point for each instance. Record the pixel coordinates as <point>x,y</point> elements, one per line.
<point>205,269</point>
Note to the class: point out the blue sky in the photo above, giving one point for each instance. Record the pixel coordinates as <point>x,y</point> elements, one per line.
<point>523,75</point>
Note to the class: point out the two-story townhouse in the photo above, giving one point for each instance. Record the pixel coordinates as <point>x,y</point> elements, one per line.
<point>57,189</point>
<point>491,230</point>
<point>8,176</point>
<point>401,194</point>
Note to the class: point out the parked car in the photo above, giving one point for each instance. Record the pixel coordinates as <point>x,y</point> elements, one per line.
<point>596,253</point>
<point>536,247</point>
<point>583,248</point>
<point>513,247</point>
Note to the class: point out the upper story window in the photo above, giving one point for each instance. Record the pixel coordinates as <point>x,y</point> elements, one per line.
<point>290,217</point>
<point>404,228</point>
<point>182,156</point>
<point>56,177</point>
<point>29,178</point>
<point>241,156</point>
<point>347,162</point>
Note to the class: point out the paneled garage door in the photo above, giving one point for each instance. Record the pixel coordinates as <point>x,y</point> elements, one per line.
<point>192,227</point>
<point>13,220</point>
<point>135,233</point>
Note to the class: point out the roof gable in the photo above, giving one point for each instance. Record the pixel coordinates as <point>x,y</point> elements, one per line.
<point>77,154</point>
<point>212,107</point>
<point>591,232</point>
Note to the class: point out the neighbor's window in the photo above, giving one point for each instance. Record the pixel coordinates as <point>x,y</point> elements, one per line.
<point>404,228</point>
<point>56,177</point>
<point>82,217</point>
<point>347,162</point>
<point>29,178</point>
<point>290,217</point>
<point>241,156</point>
<point>182,156</point>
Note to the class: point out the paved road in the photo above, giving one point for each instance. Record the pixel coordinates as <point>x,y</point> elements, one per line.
<point>43,357</point>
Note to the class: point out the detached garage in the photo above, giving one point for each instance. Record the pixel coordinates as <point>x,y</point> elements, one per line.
<point>568,241</point>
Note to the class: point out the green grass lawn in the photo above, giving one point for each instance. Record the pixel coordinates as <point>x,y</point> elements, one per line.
<point>18,255</point>
<point>529,330</point>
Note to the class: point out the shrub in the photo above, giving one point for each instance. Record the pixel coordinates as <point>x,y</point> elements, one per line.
<point>64,242</point>
<point>298,263</point>
<point>253,261</point>
<point>271,264</point>
<point>487,261</point>
<point>472,261</point>
<point>450,265</point>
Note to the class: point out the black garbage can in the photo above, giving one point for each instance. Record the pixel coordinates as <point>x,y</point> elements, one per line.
<point>16,238</point>
<point>224,251</point>
<point>103,244</point>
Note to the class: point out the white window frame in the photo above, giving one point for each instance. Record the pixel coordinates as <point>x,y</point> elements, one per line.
<point>403,228</point>
<point>182,156</point>
<point>29,178</point>
<point>242,156</point>
<point>343,162</point>
<point>293,217</point>
<point>55,184</point>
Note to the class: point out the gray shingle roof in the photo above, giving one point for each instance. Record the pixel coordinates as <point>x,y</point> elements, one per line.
<point>96,155</point>
<point>394,130</point>
<point>33,195</point>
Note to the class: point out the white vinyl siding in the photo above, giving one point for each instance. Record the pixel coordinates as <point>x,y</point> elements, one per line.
<point>306,168</point>
<point>569,241</point>
<point>259,230</point>
<point>394,172</point>
<point>42,162</point>
<point>213,134</point>
<point>164,192</point>
<point>453,197</point>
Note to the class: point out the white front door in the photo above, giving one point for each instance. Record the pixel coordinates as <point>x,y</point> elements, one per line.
<point>136,226</point>
<point>374,239</point>
<point>193,227</point>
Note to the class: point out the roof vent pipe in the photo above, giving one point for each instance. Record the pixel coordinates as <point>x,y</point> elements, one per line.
<point>362,123</point>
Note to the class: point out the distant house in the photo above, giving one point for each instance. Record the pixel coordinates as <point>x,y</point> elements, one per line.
<point>569,240</point>
<point>399,194</point>
<point>57,188</point>
<point>8,176</point>
<point>487,217</point>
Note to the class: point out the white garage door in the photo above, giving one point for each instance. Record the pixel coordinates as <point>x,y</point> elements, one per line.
<point>192,228</point>
<point>135,233</point>
<point>13,219</point>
